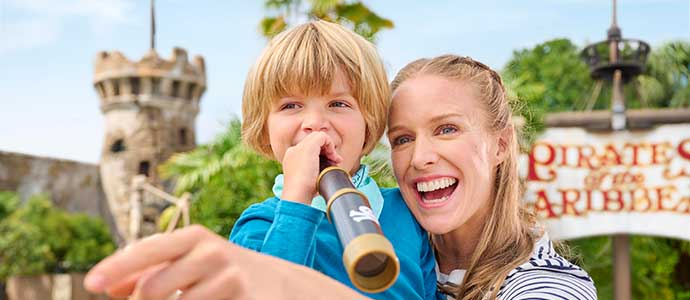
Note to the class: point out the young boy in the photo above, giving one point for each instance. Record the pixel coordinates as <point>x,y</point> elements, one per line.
<point>317,89</point>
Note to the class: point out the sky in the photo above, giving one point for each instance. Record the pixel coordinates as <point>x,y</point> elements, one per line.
<point>48,106</point>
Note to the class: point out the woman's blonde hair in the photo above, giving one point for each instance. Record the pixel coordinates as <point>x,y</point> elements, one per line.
<point>507,238</point>
<point>304,60</point>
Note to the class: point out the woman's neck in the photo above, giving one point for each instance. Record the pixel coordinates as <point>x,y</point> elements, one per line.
<point>454,250</point>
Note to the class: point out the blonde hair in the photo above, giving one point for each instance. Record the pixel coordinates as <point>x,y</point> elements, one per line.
<point>507,238</point>
<point>304,60</point>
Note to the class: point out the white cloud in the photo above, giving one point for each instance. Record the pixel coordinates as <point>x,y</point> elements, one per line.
<point>28,34</point>
<point>37,23</point>
<point>108,10</point>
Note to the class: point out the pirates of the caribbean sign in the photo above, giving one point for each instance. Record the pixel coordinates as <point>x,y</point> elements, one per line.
<point>581,183</point>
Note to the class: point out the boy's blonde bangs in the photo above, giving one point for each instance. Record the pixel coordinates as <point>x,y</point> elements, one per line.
<point>301,63</point>
<point>304,61</point>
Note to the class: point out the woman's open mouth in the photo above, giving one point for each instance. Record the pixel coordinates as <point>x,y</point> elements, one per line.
<point>435,192</point>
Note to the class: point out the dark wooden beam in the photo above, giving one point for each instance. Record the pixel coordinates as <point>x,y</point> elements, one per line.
<point>600,120</point>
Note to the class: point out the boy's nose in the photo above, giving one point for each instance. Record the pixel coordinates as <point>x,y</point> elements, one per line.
<point>315,121</point>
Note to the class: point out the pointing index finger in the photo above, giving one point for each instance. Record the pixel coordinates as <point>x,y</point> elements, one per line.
<point>149,252</point>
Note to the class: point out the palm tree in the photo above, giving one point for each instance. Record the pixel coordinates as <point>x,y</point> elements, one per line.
<point>224,178</point>
<point>379,162</point>
<point>356,15</point>
<point>668,71</point>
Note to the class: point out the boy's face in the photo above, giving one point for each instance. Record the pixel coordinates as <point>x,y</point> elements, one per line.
<point>337,114</point>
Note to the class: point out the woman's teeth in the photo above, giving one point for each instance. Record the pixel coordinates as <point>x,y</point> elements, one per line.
<point>444,198</point>
<point>428,186</point>
<point>437,190</point>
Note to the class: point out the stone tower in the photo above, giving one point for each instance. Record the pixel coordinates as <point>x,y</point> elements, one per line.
<point>150,107</point>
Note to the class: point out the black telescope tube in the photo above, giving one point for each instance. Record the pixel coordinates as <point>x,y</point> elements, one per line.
<point>368,256</point>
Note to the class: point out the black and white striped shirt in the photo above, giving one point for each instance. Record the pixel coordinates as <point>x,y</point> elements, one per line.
<point>546,275</point>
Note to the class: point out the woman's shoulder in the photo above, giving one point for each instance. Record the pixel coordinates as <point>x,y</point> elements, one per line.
<point>547,275</point>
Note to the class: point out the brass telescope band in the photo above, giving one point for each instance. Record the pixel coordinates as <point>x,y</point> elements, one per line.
<point>368,256</point>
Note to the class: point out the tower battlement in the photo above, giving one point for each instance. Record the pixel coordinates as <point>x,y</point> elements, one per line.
<point>150,107</point>
<point>121,82</point>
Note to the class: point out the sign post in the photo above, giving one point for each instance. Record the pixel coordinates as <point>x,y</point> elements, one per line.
<point>617,70</point>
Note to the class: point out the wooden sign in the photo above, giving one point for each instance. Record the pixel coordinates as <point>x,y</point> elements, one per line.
<point>581,183</point>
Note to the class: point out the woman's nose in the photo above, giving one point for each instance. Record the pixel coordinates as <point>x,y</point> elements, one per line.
<point>424,154</point>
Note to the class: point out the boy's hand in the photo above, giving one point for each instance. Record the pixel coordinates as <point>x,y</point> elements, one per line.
<point>301,166</point>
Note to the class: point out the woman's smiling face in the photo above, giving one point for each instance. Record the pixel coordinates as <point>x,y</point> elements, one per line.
<point>444,156</point>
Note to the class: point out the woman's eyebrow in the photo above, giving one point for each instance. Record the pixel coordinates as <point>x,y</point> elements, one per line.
<point>394,129</point>
<point>446,116</point>
<point>433,120</point>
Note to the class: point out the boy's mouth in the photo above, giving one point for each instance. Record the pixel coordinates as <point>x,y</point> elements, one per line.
<point>437,190</point>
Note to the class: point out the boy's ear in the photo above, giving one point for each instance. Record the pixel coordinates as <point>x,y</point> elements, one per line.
<point>504,138</point>
<point>366,140</point>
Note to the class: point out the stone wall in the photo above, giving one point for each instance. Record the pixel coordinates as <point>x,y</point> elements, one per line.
<point>73,186</point>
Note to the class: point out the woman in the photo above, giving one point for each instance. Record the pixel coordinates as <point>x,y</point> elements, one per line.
<point>454,154</point>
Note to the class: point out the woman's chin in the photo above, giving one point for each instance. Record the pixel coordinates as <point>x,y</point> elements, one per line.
<point>436,224</point>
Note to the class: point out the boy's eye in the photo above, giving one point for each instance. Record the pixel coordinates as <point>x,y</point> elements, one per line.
<point>339,104</point>
<point>401,140</point>
<point>289,106</point>
<point>447,129</point>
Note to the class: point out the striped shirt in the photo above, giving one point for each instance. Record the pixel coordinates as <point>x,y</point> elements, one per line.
<point>546,275</point>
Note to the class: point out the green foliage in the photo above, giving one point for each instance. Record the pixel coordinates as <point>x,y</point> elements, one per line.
<point>380,163</point>
<point>231,191</point>
<point>224,177</point>
<point>594,256</point>
<point>166,217</point>
<point>270,26</point>
<point>550,77</point>
<point>23,250</point>
<point>363,21</point>
<point>90,242</point>
<point>52,223</point>
<point>39,238</point>
<point>200,165</point>
<point>8,203</point>
<point>666,80</point>
<point>654,261</point>
<point>353,14</point>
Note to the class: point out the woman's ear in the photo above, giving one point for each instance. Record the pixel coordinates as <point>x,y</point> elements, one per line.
<point>504,138</point>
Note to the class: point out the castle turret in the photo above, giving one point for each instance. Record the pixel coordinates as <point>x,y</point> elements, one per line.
<point>150,107</point>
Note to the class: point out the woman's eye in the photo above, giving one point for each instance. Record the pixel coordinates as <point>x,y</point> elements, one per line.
<point>447,129</point>
<point>401,140</point>
<point>339,104</point>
